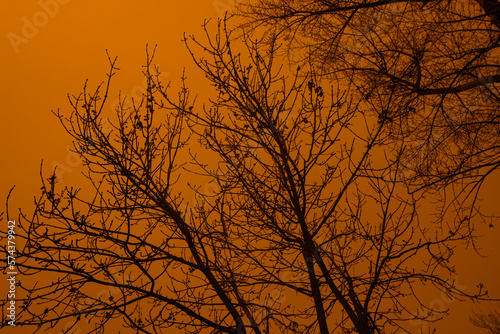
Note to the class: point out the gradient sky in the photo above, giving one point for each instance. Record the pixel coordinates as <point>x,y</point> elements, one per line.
<point>48,51</point>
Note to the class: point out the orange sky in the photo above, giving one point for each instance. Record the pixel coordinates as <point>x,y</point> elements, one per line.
<point>47,51</point>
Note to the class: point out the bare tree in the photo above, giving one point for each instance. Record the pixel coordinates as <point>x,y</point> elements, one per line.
<point>490,321</point>
<point>306,228</point>
<point>435,61</point>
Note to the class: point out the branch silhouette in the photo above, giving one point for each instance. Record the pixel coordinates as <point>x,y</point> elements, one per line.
<point>274,207</point>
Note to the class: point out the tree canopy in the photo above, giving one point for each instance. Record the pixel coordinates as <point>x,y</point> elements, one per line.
<point>275,206</point>
<point>436,62</point>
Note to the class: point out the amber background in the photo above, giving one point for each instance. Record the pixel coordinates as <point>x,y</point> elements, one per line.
<point>70,47</point>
